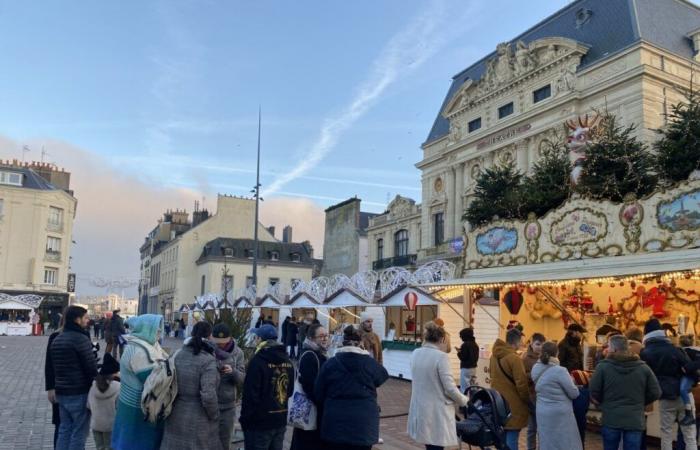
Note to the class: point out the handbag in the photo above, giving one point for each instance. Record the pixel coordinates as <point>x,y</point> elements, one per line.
<point>301,411</point>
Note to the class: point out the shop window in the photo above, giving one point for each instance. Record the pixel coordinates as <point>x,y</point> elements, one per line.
<point>439,228</point>
<point>380,249</point>
<point>401,243</point>
<point>505,110</point>
<point>542,93</point>
<point>474,124</point>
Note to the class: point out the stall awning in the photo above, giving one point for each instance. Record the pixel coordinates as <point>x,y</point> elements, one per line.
<point>345,298</point>
<point>617,266</point>
<point>303,300</point>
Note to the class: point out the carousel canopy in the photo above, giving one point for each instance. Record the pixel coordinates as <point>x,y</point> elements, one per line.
<point>396,298</point>
<point>345,298</point>
<point>590,268</point>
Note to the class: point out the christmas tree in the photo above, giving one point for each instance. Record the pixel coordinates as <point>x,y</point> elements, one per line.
<point>548,186</point>
<point>678,150</point>
<point>616,163</point>
<point>497,193</point>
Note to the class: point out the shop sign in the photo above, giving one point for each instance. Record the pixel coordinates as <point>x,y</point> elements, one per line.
<point>505,135</point>
<point>579,226</point>
<point>680,213</point>
<point>497,240</point>
<point>71,282</point>
<point>411,300</point>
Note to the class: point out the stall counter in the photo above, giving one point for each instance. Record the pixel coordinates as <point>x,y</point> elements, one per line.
<point>397,358</point>
<point>15,329</point>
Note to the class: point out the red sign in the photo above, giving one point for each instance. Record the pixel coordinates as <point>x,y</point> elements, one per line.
<point>411,300</point>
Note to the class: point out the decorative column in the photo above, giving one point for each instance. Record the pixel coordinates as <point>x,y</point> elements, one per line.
<point>425,212</point>
<point>459,191</point>
<point>450,209</point>
<point>532,155</point>
<point>521,155</point>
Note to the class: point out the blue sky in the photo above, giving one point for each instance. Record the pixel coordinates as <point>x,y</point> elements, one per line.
<point>161,97</point>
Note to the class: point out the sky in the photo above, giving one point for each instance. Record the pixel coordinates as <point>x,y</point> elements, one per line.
<point>152,105</point>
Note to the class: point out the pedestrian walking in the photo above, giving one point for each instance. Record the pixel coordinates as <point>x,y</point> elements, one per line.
<point>283,328</point>
<point>468,354</point>
<point>622,385</point>
<point>102,402</point>
<point>108,335</point>
<point>370,340</point>
<point>346,389</point>
<point>74,367</point>
<point>131,431</point>
<point>555,390</point>
<point>50,382</point>
<point>194,420</point>
<point>267,387</point>
<point>571,348</point>
<point>118,331</point>
<point>509,379</point>
<point>434,394</point>
<point>291,338</point>
<point>530,358</point>
<point>231,365</point>
<point>313,357</point>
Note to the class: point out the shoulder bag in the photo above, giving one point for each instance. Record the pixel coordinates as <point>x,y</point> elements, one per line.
<point>301,411</point>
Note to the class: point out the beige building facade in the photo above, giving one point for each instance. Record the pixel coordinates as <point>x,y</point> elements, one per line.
<point>36,233</point>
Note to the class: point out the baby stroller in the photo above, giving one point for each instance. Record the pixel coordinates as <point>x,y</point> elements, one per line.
<point>485,415</point>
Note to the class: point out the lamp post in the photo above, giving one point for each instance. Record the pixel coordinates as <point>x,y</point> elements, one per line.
<point>257,208</point>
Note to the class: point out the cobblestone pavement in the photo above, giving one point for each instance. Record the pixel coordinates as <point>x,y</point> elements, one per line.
<point>25,415</point>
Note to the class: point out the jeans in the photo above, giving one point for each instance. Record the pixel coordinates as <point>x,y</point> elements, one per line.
<point>75,422</point>
<point>672,411</point>
<point>512,437</point>
<point>581,404</point>
<point>631,439</point>
<point>680,442</point>
<point>103,439</point>
<point>532,431</point>
<point>465,378</point>
<point>686,386</point>
<point>264,439</point>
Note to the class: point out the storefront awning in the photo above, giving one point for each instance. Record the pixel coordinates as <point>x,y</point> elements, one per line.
<point>618,266</point>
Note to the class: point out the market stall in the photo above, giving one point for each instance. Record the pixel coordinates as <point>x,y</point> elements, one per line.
<point>16,317</point>
<point>269,306</point>
<point>302,304</point>
<point>344,308</point>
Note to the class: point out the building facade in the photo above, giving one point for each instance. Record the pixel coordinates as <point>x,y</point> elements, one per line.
<point>592,55</point>
<point>394,237</point>
<point>213,254</point>
<point>345,243</point>
<point>36,232</point>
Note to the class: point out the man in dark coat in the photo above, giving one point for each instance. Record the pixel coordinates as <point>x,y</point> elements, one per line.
<point>268,384</point>
<point>74,367</point>
<point>116,323</point>
<point>284,329</point>
<point>571,348</point>
<point>669,363</point>
<point>291,339</point>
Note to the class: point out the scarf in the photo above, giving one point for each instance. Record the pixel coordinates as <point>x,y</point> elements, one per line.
<point>223,353</point>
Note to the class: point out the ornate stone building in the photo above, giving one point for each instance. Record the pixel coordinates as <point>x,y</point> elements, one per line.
<point>623,56</point>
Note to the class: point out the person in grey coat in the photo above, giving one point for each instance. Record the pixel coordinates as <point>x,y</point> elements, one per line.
<point>193,423</point>
<point>231,363</point>
<point>556,424</point>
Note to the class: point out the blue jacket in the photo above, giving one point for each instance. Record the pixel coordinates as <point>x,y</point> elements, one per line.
<point>347,389</point>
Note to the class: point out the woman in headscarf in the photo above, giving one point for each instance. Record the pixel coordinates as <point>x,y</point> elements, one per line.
<point>131,431</point>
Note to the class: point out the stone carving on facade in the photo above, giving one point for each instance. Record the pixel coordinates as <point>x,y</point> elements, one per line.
<point>400,207</point>
<point>456,131</point>
<point>512,64</point>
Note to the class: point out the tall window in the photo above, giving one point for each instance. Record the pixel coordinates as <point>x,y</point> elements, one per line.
<point>439,224</point>
<point>204,282</point>
<point>50,276</point>
<point>2,204</point>
<point>401,243</point>
<point>53,244</point>
<point>248,281</point>
<point>380,248</point>
<point>55,216</point>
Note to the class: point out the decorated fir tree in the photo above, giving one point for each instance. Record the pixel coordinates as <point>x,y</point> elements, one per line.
<point>548,186</point>
<point>616,163</point>
<point>678,150</point>
<point>497,193</point>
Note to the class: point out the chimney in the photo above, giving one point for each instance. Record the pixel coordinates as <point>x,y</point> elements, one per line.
<point>287,234</point>
<point>271,229</point>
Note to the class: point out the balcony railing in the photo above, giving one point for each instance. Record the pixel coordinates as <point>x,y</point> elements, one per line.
<point>52,256</point>
<point>396,261</point>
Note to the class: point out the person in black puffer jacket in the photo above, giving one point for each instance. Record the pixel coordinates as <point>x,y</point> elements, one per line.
<point>74,367</point>
<point>347,390</point>
<point>468,355</point>
<point>669,363</point>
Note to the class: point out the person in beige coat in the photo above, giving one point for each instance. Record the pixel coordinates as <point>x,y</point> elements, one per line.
<point>431,415</point>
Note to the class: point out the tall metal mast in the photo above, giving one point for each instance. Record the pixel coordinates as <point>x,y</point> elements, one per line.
<point>257,208</point>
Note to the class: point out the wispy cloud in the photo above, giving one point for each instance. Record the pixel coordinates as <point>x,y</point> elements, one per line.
<point>404,53</point>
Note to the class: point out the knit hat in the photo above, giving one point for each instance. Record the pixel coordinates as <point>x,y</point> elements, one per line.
<point>221,333</point>
<point>652,325</point>
<point>109,365</point>
<point>581,377</point>
<point>365,316</point>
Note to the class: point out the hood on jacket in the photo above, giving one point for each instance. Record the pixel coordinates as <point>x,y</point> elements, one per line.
<point>501,349</point>
<point>146,327</point>
<point>656,336</point>
<point>112,390</point>
<point>623,363</point>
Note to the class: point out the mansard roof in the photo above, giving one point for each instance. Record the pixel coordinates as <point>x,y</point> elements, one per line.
<point>607,27</point>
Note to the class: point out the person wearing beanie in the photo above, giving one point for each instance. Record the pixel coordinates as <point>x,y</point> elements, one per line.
<point>102,402</point>
<point>231,364</point>
<point>468,354</point>
<point>669,363</point>
<point>346,395</point>
<point>571,348</point>
<point>370,340</point>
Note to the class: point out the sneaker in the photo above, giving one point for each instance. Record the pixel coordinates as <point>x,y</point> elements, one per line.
<point>688,419</point>
<point>380,441</point>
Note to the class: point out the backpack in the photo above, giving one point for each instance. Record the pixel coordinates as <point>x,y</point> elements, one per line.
<point>160,390</point>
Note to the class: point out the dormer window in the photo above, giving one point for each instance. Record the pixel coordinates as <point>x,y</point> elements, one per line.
<point>228,252</point>
<point>11,178</point>
<point>295,257</point>
<point>249,253</point>
<point>274,256</point>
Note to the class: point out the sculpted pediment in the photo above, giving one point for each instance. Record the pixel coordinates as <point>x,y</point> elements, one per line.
<point>513,64</point>
<point>400,207</point>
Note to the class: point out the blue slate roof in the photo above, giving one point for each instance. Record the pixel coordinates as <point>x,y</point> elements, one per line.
<point>613,26</point>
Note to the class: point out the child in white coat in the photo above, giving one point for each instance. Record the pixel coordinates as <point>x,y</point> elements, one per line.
<point>102,402</point>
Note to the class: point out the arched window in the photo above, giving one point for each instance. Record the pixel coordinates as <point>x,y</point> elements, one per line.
<point>401,243</point>
<point>380,249</point>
